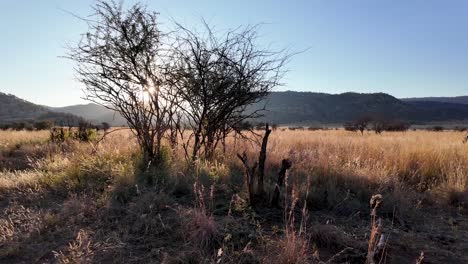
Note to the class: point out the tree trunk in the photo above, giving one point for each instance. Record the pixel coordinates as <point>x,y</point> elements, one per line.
<point>158,151</point>
<point>285,166</point>
<point>249,174</point>
<point>261,161</point>
<point>196,146</point>
<point>148,155</point>
<point>209,147</point>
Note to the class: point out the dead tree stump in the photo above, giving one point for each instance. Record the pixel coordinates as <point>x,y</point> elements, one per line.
<point>285,166</point>
<point>250,175</point>
<point>261,161</point>
<point>251,172</point>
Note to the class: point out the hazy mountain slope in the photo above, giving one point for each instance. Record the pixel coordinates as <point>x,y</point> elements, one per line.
<point>456,99</point>
<point>14,109</point>
<point>93,112</point>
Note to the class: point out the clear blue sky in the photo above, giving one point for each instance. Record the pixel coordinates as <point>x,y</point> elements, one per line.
<point>405,48</point>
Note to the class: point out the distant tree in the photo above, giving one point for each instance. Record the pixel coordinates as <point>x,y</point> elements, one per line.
<point>362,123</point>
<point>376,123</point>
<point>350,126</point>
<point>43,125</point>
<point>19,126</point>
<point>105,126</point>
<point>397,125</point>
<point>244,126</point>
<point>274,127</point>
<point>260,125</point>
<point>29,127</point>
<point>379,124</point>
<point>86,132</point>
<point>438,128</point>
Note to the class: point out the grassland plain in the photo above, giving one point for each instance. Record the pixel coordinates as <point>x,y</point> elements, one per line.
<point>79,202</point>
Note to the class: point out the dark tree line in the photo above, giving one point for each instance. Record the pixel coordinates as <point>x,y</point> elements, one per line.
<point>193,85</point>
<point>37,125</point>
<point>376,123</point>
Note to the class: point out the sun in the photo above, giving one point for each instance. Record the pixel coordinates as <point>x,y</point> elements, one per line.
<point>148,92</point>
<point>151,90</point>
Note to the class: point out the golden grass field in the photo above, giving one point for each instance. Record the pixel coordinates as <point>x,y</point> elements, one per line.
<point>67,203</point>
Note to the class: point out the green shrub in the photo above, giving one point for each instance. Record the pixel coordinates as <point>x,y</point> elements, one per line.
<point>86,132</point>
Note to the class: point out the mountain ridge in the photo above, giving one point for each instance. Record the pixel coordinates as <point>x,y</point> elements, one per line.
<point>454,99</point>
<point>14,109</point>
<point>291,107</point>
<point>319,108</point>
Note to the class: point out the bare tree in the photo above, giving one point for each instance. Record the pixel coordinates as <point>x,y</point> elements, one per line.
<point>119,61</point>
<point>359,124</point>
<point>379,123</point>
<point>362,122</point>
<point>218,76</point>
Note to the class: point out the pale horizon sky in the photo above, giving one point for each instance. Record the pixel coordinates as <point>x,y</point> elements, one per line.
<point>405,48</point>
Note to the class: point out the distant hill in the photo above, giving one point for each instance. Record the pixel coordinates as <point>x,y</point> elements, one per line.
<point>320,108</point>
<point>14,109</point>
<point>94,113</point>
<point>285,108</point>
<point>455,100</point>
<point>309,108</point>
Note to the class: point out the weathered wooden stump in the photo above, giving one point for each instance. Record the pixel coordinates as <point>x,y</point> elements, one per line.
<point>285,166</point>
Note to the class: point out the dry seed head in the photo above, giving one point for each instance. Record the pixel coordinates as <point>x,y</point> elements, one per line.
<point>376,200</point>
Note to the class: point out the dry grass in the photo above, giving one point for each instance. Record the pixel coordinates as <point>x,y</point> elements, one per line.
<point>295,242</point>
<point>9,138</point>
<point>201,226</point>
<point>422,158</point>
<point>91,203</point>
<point>17,179</point>
<point>434,162</point>
<point>79,251</point>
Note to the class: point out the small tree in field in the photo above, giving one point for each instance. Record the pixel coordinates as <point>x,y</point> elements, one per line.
<point>43,125</point>
<point>217,76</point>
<point>105,126</point>
<point>362,123</point>
<point>119,63</point>
<point>350,126</point>
<point>379,124</point>
<point>397,125</point>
